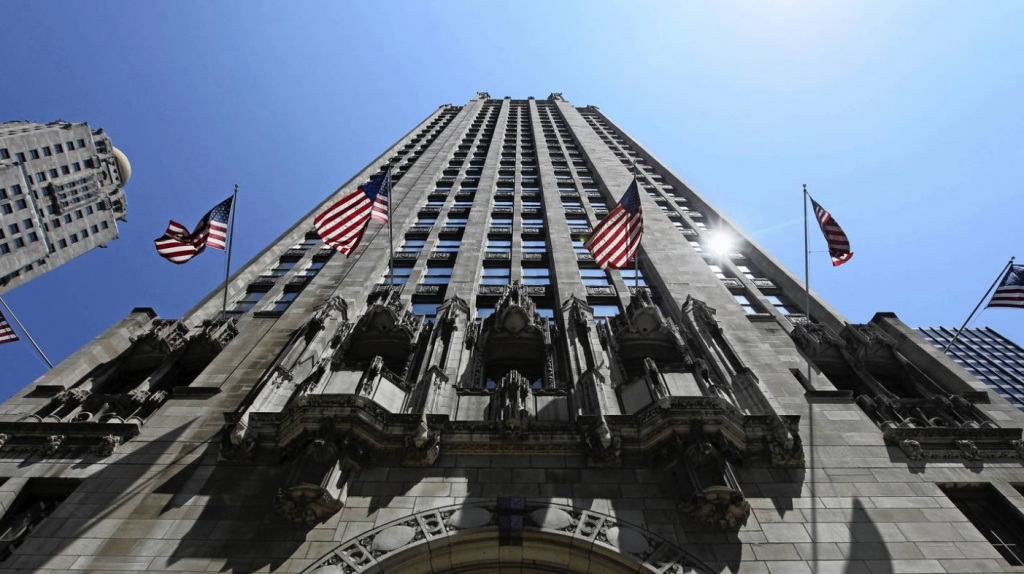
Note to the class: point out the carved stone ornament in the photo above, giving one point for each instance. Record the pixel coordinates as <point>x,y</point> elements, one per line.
<point>423,447</point>
<point>217,333</point>
<point>721,507</point>
<point>305,504</point>
<point>786,456</point>
<point>164,336</point>
<point>969,449</point>
<point>510,403</point>
<point>602,447</point>
<point>387,329</point>
<point>52,444</point>
<point>912,449</point>
<point>320,318</point>
<point>3,439</point>
<point>107,445</point>
<point>1017,444</point>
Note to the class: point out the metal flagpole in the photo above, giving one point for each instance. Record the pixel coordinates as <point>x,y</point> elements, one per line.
<point>976,307</point>
<point>810,406</point>
<point>231,242</point>
<point>636,254</point>
<point>391,229</point>
<point>27,334</point>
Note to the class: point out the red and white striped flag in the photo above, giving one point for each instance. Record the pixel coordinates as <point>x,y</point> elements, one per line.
<point>1010,292</point>
<point>179,246</point>
<point>7,334</point>
<point>343,224</point>
<point>838,244</point>
<point>616,239</point>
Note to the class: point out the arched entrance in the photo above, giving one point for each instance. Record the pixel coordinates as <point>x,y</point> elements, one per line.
<point>541,538</point>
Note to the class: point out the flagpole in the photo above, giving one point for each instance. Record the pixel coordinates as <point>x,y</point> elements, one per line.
<point>976,307</point>
<point>27,334</point>
<point>231,242</point>
<point>636,255</point>
<point>391,231</point>
<point>810,410</point>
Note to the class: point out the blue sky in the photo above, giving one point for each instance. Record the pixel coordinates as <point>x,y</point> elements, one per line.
<point>904,119</point>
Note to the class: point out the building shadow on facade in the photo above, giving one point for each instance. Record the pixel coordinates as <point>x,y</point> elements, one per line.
<point>107,494</point>
<point>867,550</point>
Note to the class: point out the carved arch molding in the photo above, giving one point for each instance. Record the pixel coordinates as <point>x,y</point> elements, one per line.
<point>532,536</point>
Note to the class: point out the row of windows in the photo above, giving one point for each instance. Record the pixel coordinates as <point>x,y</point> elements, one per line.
<point>47,151</point>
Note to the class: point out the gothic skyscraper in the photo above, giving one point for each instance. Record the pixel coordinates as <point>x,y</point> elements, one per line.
<point>496,402</point>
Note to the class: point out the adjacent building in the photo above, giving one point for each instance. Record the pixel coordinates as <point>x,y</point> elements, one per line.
<point>61,194</point>
<point>995,360</point>
<point>484,398</point>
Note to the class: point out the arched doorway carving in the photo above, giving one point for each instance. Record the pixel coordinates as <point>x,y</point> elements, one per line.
<point>477,539</point>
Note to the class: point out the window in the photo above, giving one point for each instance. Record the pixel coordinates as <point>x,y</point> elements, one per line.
<point>536,276</point>
<point>744,302</point>
<point>312,269</point>
<point>13,228</point>
<point>401,275</point>
<point>78,214</point>
<point>58,148</point>
<point>15,189</point>
<point>80,143</point>
<point>535,246</point>
<point>595,277</point>
<point>6,209</point>
<point>19,242</point>
<point>496,276</point>
<point>76,166</point>
<point>425,221</point>
<point>40,177</point>
<point>603,312</point>
<point>33,153</point>
<point>63,243</point>
<point>4,248</point>
<point>456,221</point>
<point>447,245</point>
<point>779,304</point>
<point>437,276</point>
<point>248,302</point>
<point>67,218</point>
<point>4,154</point>
<point>997,520</point>
<point>499,245</point>
<point>94,229</point>
<point>413,245</point>
<point>578,247</point>
<point>717,271</point>
<point>36,500</point>
<point>74,238</point>
<point>21,204</point>
<point>745,271</point>
<point>104,225</point>
<point>427,310</point>
<point>69,145</point>
<point>283,302</point>
<point>33,237</point>
<point>88,211</point>
<point>633,277</point>
<point>282,268</point>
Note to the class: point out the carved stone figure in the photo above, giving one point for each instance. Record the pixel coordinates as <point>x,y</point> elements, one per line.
<point>912,449</point>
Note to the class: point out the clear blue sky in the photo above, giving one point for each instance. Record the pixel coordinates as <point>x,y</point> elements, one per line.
<point>904,118</point>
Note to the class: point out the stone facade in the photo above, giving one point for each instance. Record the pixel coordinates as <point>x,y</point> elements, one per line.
<point>496,403</point>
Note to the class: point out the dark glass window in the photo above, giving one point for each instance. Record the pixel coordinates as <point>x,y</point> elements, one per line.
<point>284,301</point>
<point>447,245</point>
<point>997,520</point>
<point>437,276</point>
<point>428,310</point>
<point>401,275</point>
<point>248,302</point>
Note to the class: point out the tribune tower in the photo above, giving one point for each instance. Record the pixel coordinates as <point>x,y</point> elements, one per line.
<point>495,402</point>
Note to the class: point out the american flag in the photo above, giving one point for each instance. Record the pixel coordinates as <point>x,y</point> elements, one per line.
<point>381,209</point>
<point>617,237</point>
<point>1010,292</point>
<point>343,224</point>
<point>177,245</point>
<point>838,244</point>
<point>7,334</point>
